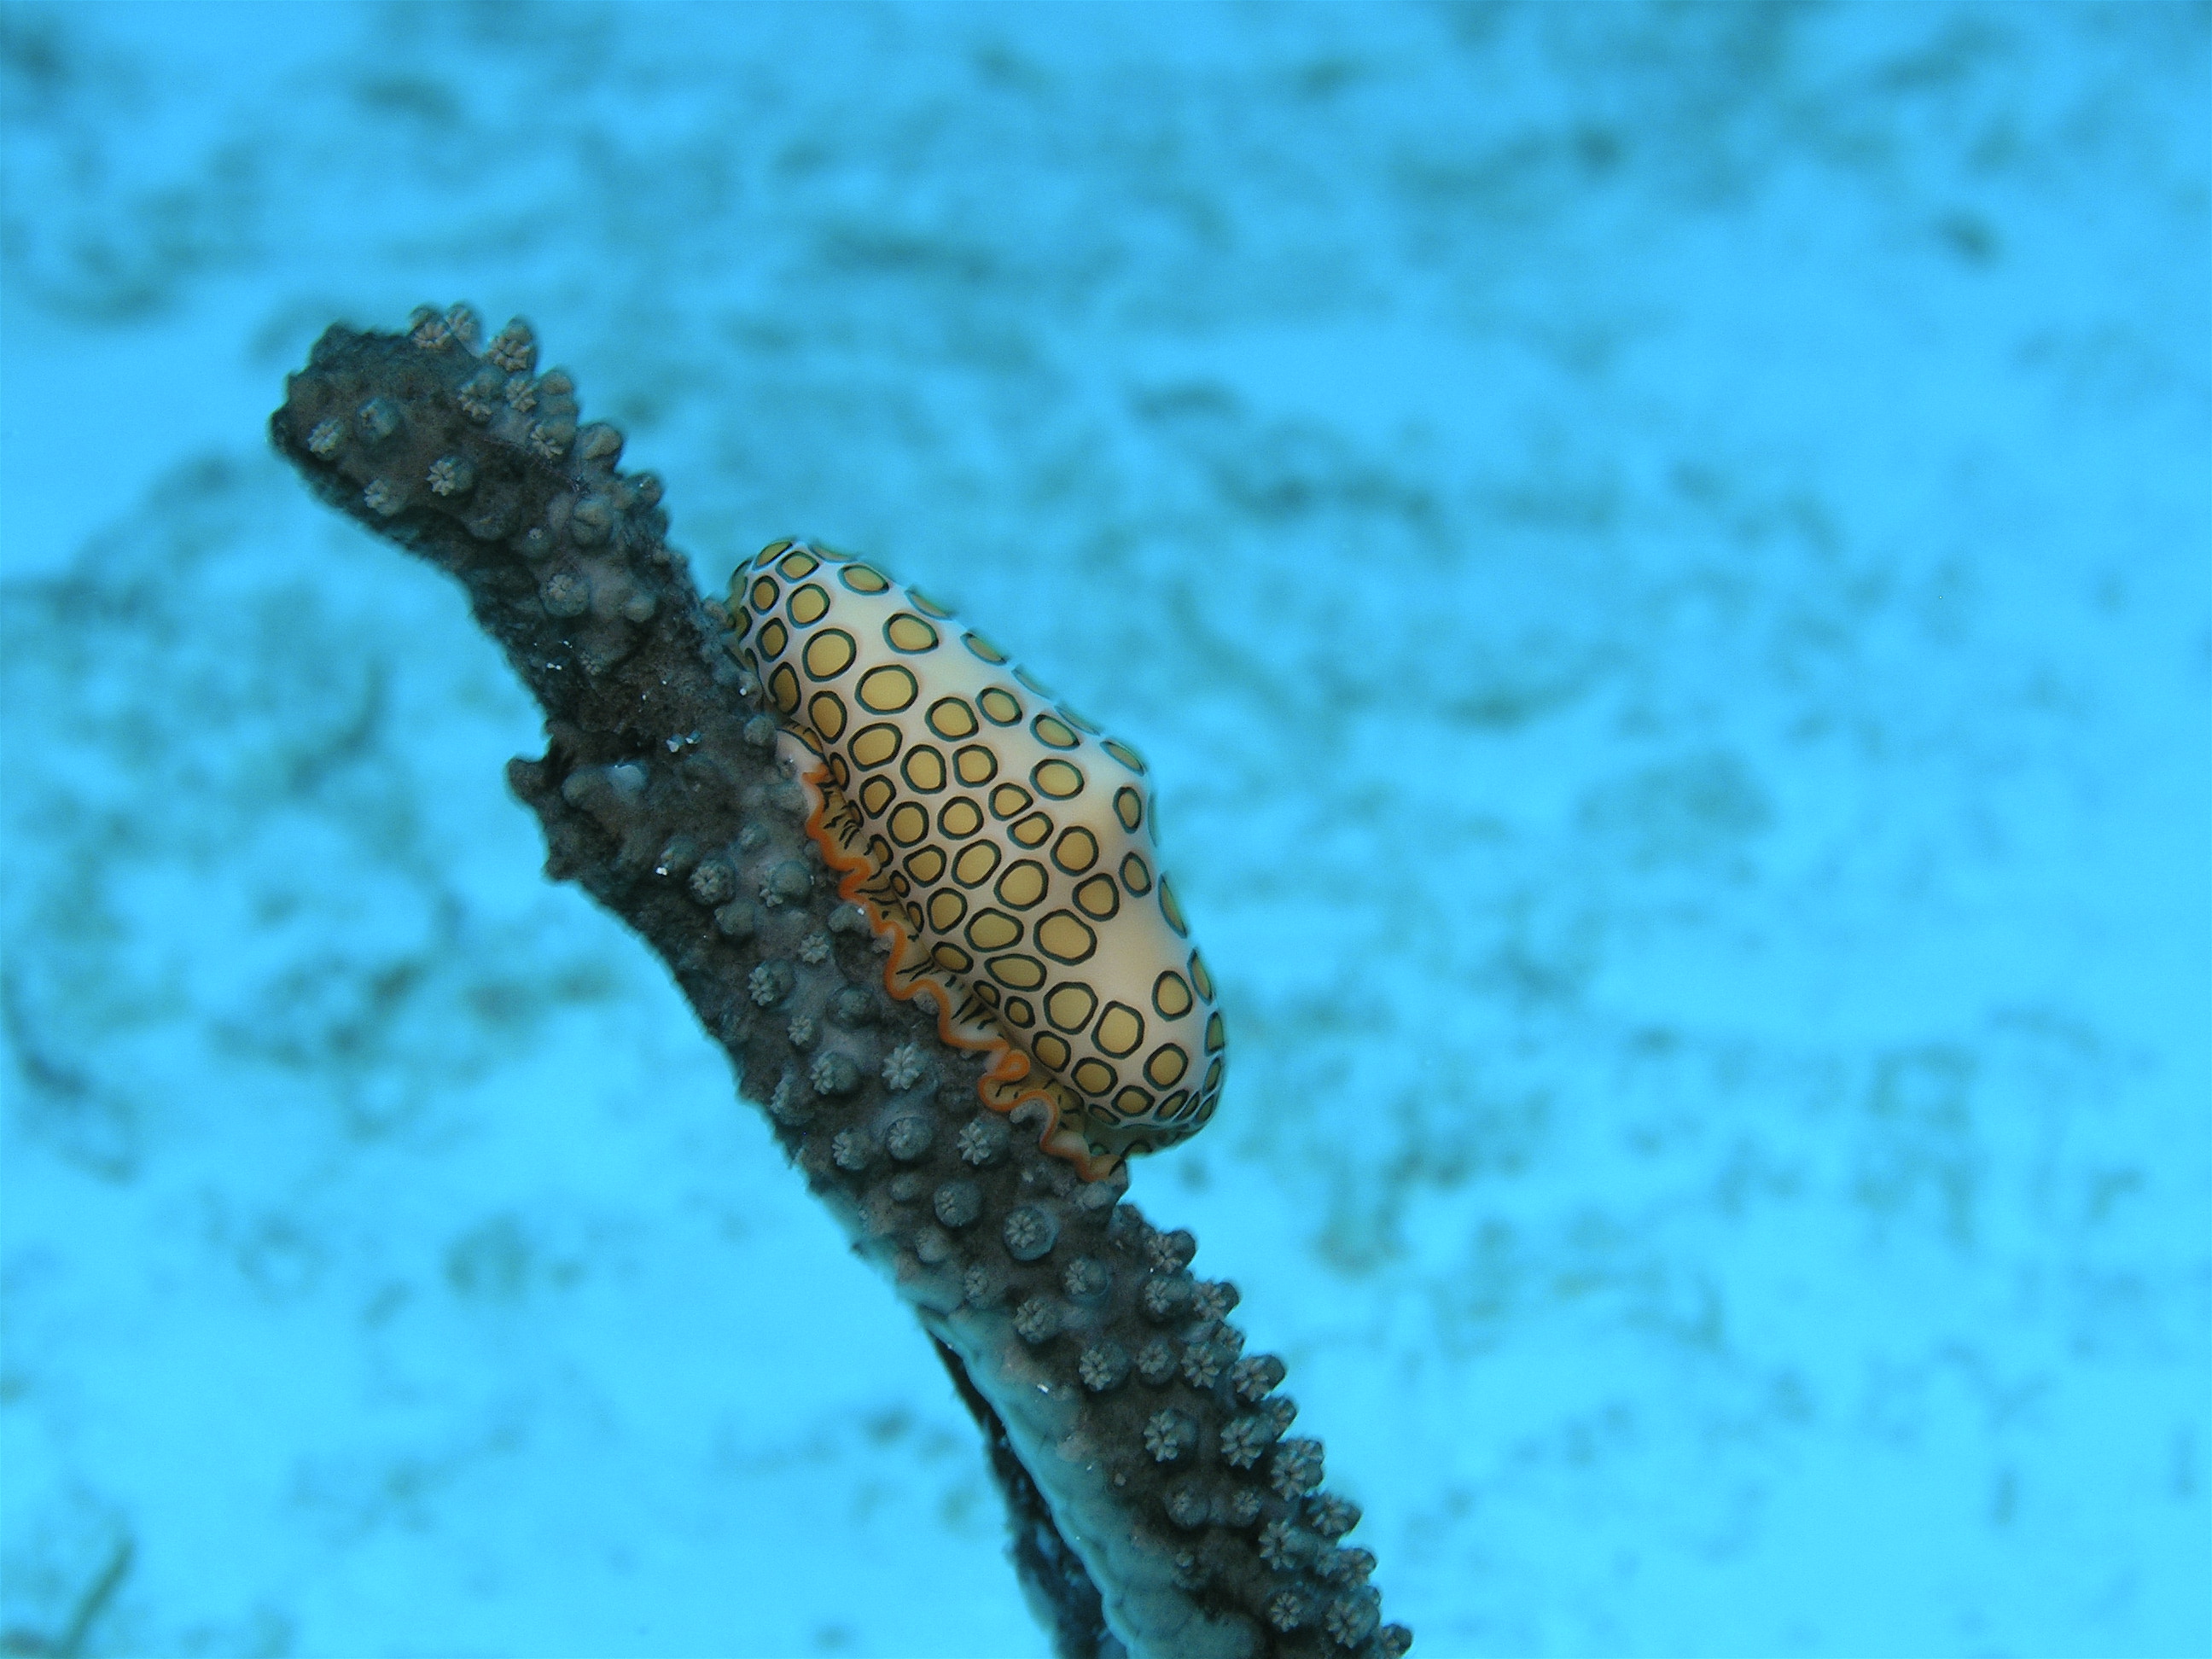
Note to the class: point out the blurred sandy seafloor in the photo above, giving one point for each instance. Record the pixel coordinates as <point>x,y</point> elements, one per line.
<point>1659,555</point>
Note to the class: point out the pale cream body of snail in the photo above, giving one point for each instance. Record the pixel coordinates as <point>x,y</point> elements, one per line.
<point>1002,846</point>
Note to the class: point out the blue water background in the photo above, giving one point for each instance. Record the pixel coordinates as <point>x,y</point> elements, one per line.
<point>1660,557</point>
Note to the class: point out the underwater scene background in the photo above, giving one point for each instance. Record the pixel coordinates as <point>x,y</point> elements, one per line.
<point>1658,555</point>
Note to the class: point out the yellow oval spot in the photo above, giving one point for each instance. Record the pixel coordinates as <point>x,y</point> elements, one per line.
<point>923,767</point>
<point>741,623</point>
<point>928,864</point>
<point>783,685</point>
<point>830,653</point>
<point>764,592</point>
<point>908,823</point>
<point>876,794</point>
<point>961,819</point>
<point>841,774</point>
<point>928,606</point>
<point>828,714</point>
<point>874,745</point>
<point>810,604</point>
<point>1122,752</point>
<point>1170,996</point>
<point>1009,798</point>
<point>796,565</point>
<point>1135,877</point>
<point>974,764</point>
<point>1070,1005</point>
<point>1172,1106</point>
<point>1064,937</point>
<point>1032,830</point>
<point>1097,898</point>
<point>1199,977</point>
<point>1049,1049</point>
<point>1017,1011</point>
<point>1057,778</point>
<point>945,910</point>
<point>1024,676</point>
<point>1129,807</point>
<point>993,930</point>
<point>974,865</point>
<point>1022,973</point>
<point>887,690</point>
<point>1076,850</point>
<point>864,579</point>
<point>949,717</point>
<point>909,633</point>
<point>1212,1078</point>
<point>1133,1103</point>
<point>1167,1066</point>
<point>1172,910</point>
<point>1054,734</point>
<point>1093,1076</point>
<point>1000,706</point>
<point>952,958</point>
<point>1216,1038</point>
<point>773,638</point>
<point>983,649</point>
<point>1023,884</point>
<point>770,551</point>
<point>1121,1028</point>
<point>1076,720</point>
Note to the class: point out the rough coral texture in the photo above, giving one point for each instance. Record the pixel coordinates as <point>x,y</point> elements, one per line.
<point>1183,1523</point>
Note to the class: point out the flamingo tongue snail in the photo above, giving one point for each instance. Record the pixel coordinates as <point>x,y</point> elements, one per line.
<point>1002,845</point>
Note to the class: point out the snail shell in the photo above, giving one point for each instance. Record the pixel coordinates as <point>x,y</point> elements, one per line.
<point>1002,844</point>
